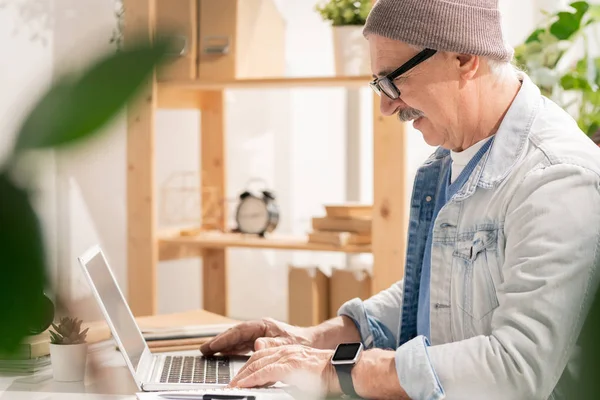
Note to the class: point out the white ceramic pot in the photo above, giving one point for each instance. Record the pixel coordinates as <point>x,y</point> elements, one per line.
<point>351,51</point>
<point>68,361</point>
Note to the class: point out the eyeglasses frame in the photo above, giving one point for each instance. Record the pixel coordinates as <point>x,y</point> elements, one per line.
<point>407,66</point>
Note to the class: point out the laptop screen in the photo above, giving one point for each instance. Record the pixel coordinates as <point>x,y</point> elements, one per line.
<point>117,309</point>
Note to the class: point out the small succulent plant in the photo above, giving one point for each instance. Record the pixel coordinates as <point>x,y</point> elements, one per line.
<point>68,331</point>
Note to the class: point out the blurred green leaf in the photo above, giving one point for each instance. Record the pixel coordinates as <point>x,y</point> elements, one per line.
<point>574,82</point>
<point>581,8</point>
<point>593,128</point>
<point>597,67</point>
<point>23,266</point>
<point>585,386</point>
<point>344,12</point>
<point>566,25</point>
<point>535,36</point>
<point>75,108</point>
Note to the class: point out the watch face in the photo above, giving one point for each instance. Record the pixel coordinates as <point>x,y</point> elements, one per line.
<point>252,216</point>
<point>346,352</point>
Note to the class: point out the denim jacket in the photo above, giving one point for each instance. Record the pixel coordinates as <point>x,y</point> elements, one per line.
<point>514,264</point>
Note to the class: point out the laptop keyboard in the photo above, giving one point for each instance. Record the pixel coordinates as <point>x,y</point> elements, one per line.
<point>196,369</point>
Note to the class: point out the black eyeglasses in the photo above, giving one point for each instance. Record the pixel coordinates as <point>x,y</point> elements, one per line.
<point>386,84</point>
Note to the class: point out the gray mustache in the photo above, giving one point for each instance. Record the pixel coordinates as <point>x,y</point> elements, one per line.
<point>409,114</point>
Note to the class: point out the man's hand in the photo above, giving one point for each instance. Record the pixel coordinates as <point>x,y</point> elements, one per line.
<point>296,365</point>
<point>310,370</point>
<point>257,335</point>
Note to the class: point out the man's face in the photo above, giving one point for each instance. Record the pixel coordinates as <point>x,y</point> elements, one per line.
<point>429,93</point>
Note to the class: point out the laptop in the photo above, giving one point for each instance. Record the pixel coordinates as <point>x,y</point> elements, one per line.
<point>169,371</point>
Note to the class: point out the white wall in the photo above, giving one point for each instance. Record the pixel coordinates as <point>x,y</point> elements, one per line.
<point>26,43</point>
<point>293,139</point>
<point>90,177</point>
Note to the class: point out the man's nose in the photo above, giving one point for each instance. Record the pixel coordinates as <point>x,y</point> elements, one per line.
<point>387,106</point>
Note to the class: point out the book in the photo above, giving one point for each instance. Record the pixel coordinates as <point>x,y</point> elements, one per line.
<point>25,366</point>
<point>339,238</point>
<point>349,210</point>
<point>355,225</point>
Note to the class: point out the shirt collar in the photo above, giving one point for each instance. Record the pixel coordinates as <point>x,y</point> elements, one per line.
<point>512,135</point>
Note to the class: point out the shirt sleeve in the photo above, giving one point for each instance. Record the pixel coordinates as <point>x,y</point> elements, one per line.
<point>377,318</point>
<point>551,273</point>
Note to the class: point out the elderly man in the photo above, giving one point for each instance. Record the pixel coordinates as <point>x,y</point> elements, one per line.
<point>503,235</point>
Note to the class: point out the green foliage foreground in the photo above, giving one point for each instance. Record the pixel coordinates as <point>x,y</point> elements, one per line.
<point>72,110</point>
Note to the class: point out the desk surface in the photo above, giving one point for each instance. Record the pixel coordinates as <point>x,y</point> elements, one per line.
<point>112,381</point>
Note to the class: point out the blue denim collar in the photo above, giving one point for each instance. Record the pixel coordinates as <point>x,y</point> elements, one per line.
<point>512,134</point>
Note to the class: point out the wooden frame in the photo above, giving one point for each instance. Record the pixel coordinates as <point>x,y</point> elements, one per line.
<point>146,246</point>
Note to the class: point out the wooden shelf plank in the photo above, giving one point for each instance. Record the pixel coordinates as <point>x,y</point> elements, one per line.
<point>225,240</point>
<point>284,82</point>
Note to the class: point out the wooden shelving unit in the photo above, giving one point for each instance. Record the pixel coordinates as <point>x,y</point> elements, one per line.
<point>279,83</point>
<point>188,94</point>
<point>147,246</point>
<point>172,246</point>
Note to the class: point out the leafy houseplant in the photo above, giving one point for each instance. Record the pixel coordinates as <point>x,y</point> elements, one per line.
<point>351,49</point>
<point>566,73</point>
<point>344,12</point>
<point>68,350</point>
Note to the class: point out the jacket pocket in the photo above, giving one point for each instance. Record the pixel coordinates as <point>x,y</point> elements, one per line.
<point>477,258</point>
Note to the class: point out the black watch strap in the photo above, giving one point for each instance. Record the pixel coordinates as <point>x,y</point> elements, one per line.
<point>344,373</point>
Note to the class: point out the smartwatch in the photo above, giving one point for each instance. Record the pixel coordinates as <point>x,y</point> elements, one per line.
<point>344,359</point>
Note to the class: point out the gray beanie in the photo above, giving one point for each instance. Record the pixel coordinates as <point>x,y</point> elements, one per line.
<point>461,26</point>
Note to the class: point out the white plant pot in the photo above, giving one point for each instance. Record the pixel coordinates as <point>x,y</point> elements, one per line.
<point>351,51</point>
<point>68,361</point>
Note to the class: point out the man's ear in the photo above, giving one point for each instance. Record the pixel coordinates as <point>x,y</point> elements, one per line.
<point>468,65</point>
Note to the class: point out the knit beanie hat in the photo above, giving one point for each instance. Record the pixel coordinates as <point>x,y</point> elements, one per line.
<point>461,26</point>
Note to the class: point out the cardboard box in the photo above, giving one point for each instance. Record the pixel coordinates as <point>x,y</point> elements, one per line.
<point>252,32</point>
<point>222,40</point>
<point>346,284</point>
<point>179,21</point>
<point>308,296</point>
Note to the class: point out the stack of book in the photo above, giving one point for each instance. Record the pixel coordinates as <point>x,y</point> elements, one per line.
<point>24,366</point>
<point>343,225</point>
<point>33,355</point>
<point>182,331</point>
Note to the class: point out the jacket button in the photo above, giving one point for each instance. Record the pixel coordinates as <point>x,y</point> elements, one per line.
<point>428,199</point>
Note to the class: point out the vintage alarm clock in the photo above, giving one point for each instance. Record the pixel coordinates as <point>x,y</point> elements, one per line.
<point>257,213</point>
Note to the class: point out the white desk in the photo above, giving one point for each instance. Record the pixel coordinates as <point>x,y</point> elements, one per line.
<point>114,382</point>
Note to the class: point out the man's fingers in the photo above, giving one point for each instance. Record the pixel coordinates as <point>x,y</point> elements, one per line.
<point>241,333</point>
<point>253,366</point>
<point>240,349</point>
<point>262,354</point>
<point>270,373</point>
<point>260,360</point>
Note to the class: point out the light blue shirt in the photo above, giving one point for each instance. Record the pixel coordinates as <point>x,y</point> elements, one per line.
<point>445,191</point>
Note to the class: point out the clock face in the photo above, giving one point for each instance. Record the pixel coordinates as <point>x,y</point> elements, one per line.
<point>252,215</point>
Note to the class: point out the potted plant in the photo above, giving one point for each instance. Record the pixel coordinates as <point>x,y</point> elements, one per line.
<point>351,49</point>
<point>68,350</point>
<point>557,57</point>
